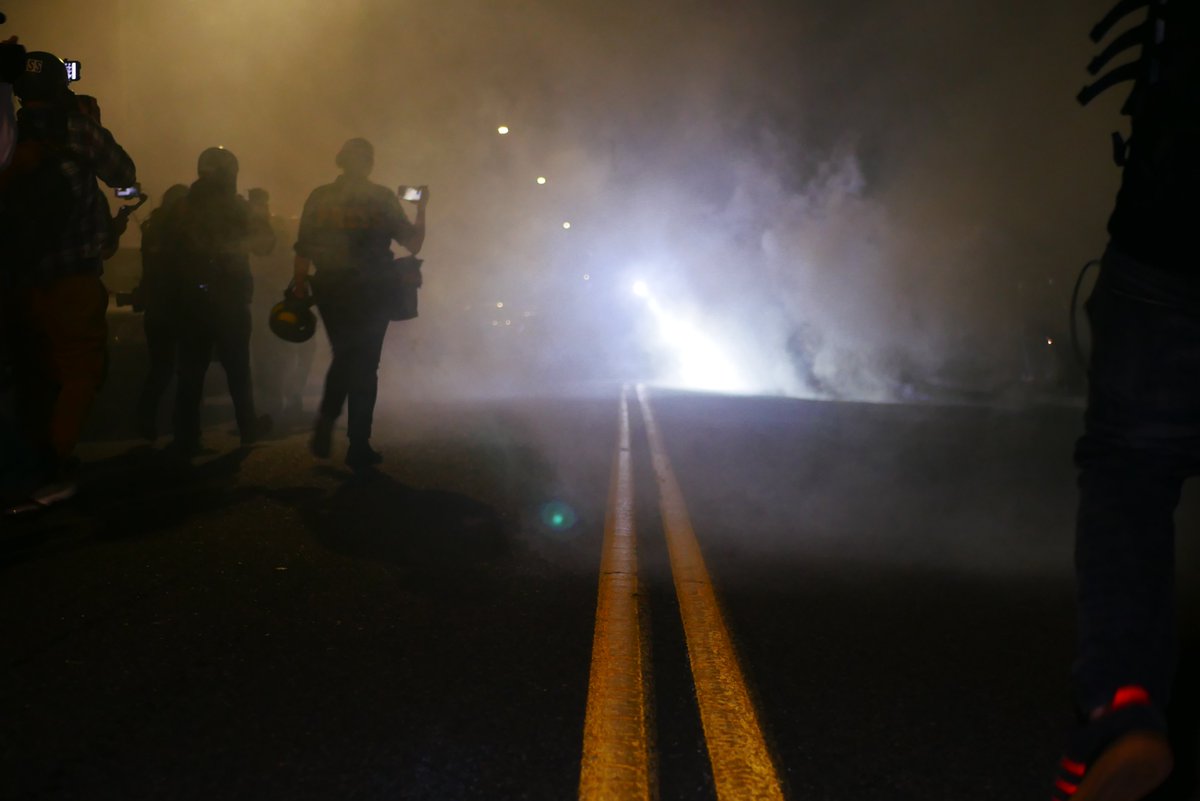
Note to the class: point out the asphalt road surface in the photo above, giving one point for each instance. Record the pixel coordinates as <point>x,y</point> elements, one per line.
<point>893,583</point>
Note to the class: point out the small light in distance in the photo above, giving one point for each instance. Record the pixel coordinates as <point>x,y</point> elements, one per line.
<point>587,277</point>
<point>640,289</point>
<point>502,130</point>
<point>541,180</point>
<point>499,304</point>
<point>566,226</point>
<point>1049,341</point>
<point>508,322</point>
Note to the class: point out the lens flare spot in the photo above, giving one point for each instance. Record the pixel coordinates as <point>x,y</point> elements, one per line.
<point>558,516</point>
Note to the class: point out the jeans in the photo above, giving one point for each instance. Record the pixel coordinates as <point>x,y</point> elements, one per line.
<point>356,324</point>
<point>208,326</point>
<point>1141,440</point>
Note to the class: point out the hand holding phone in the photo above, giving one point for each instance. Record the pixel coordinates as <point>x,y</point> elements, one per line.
<point>411,193</point>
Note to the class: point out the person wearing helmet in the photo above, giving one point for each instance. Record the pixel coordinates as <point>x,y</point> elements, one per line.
<point>208,237</point>
<point>54,226</point>
<point>158,319</point>
<point>346,232</point>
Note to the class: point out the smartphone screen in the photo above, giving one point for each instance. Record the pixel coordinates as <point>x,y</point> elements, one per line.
<point>72,70</point>
<point>127,191</point>
<point>412,194</point>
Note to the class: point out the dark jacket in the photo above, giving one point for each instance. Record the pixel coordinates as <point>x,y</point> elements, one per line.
<point>209,236</point>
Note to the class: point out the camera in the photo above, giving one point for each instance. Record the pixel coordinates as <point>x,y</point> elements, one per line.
<point>134,191</point>
<point>410,193</point>
<point>73,68</point>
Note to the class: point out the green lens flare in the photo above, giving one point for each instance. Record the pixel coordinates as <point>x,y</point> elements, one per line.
<point>558,516</point>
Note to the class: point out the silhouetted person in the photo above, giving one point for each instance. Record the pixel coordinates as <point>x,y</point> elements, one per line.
<point>346,231</point>
<point>208,239</point>
<point>1142,427</point>
<point>159,321</point>
<point>281,368</point>
<point>55,227</point>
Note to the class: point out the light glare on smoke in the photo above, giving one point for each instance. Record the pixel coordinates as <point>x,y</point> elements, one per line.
<point>694,358</point>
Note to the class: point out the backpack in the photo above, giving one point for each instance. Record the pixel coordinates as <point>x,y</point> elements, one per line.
<point>36,203</point>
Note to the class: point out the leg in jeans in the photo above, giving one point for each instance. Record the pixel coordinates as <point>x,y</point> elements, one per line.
<point>1142,438</point>
<point>195,353</point>
<point>232,339</point>
<point>364,377</point>
<point>341,310</point>
<point>161,345</point>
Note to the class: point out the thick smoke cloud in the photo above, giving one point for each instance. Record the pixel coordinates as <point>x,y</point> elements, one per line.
<point>871,199</point>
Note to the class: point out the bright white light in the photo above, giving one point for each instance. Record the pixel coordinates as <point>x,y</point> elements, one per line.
<point>697,361</point>
<point>541,179</point>
<point>566,226</point>
<point>502,130</point>
<point>1049,341</point>
<point>587,277</point>
<point>499,305</point>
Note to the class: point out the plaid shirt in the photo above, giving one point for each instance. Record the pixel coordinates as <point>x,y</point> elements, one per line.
<point>89,152</point>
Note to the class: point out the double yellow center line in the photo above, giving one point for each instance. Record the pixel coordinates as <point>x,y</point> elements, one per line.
<point>616,750</point>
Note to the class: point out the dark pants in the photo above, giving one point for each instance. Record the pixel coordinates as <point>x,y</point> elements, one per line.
<point>206,327</point>
<point>162,341</point>
<point>1141,440</point>
<point>58,338</point>
<point>356,325</point>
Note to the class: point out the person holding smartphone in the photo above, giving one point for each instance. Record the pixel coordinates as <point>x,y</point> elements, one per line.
<point>53,229</point>
<point>346,232</point>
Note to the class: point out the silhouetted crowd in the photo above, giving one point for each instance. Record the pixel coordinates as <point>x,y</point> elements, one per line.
<point>197,290</point>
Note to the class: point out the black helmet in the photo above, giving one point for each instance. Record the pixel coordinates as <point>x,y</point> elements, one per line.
<point>44,78</point>
<point>217,162</point>
<point>291,318</point>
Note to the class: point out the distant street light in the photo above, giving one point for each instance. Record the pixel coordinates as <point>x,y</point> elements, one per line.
<point>502,130</point>
<point>566,226</point>
<point>541,180</point>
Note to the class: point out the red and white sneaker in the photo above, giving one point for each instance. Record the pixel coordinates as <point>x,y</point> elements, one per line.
<point>1121,755</point>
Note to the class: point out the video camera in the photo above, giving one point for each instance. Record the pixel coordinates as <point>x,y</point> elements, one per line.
<point>12,59</point>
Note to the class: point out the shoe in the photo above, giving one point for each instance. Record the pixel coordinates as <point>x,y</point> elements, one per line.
<point>322,438</point>
<point>1122,755</point>
<point>362,454</point>
<point>44,497</point>
<point>262,427</point>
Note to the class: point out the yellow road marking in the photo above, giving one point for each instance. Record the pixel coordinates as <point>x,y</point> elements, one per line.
<point>616,762</point>
<point>741,763</point>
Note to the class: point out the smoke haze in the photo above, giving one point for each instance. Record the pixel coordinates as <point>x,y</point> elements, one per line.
<point>865,199</point>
